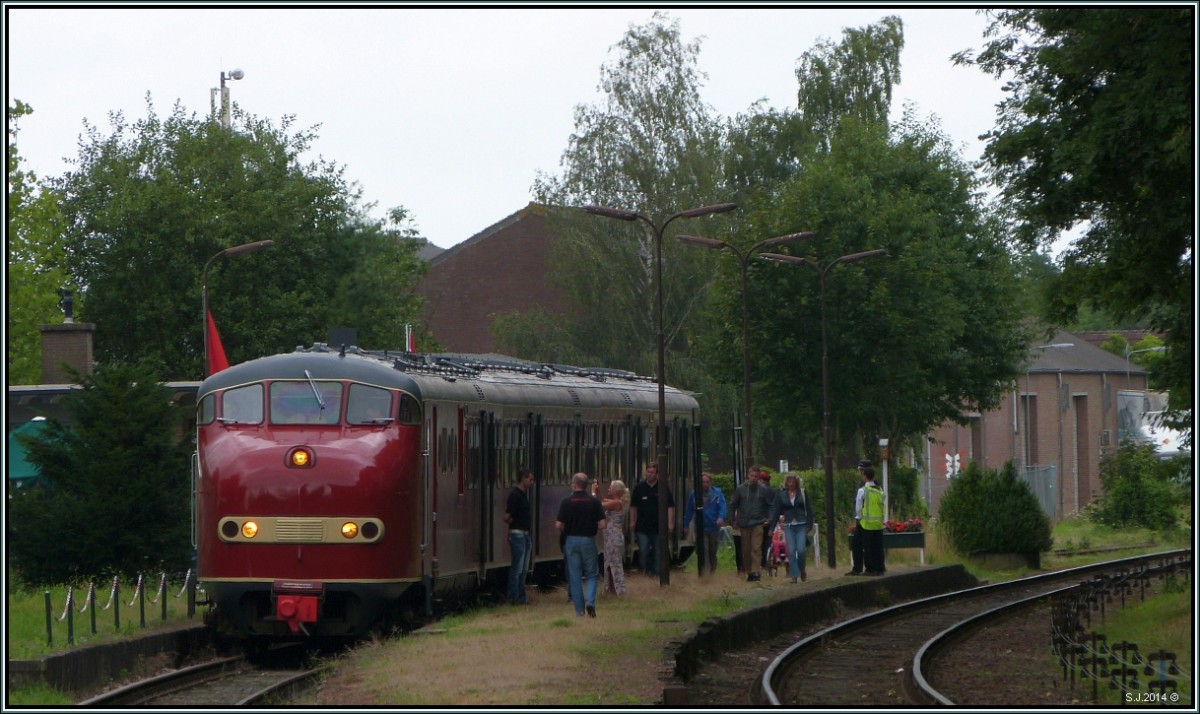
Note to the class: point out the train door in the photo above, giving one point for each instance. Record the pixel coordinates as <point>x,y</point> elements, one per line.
<point>486,518</point>
<point>536,464</point>
<point>429,450</point>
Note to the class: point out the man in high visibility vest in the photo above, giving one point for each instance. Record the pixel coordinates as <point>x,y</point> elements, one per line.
<point>871,509</point>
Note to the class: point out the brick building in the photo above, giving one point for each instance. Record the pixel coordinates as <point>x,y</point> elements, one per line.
<point>499,270</point>
<point>1072,407</point>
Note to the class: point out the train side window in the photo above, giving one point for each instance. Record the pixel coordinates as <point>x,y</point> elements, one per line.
<point>410,409</point>
<point>298,403</point>
<point>206,410</point>
<point>368,405</point>
<point>243,405</point>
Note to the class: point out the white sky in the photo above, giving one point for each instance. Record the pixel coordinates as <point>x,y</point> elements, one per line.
<point>448,112</point>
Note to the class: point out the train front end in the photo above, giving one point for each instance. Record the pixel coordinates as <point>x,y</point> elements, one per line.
<point>306,495</point>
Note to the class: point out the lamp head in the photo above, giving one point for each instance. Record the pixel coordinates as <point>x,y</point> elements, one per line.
<point>618,213</point>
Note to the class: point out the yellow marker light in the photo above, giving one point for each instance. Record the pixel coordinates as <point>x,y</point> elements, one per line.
<point>300,457</point>
<point>249,529</point>
<point>349,530</point>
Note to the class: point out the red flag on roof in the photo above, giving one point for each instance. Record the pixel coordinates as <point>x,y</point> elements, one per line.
<point>410,339</point>
<point>215,357</point>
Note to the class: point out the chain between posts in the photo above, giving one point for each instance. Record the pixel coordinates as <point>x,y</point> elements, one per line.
<point>91,603</point>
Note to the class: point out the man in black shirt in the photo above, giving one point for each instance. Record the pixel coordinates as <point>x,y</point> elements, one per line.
<point>519,518</point>
<point>643,518</point>
<point>580,518</point>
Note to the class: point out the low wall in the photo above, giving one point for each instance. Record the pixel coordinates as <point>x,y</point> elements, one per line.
<point>88,667</point>
<point>723,634</point>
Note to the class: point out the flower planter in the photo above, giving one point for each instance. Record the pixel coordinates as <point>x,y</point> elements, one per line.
<point>903,540</point>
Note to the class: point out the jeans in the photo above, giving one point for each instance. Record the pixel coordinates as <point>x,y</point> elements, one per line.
<point>794,536</point>
<point>582,563</point>
<point>648,552</point>
<point>522,547</point>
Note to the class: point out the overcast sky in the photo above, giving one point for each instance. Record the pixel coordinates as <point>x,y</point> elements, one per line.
<point>448,112</point>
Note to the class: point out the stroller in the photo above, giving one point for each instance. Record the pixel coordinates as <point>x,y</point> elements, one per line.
<point>778,557</point>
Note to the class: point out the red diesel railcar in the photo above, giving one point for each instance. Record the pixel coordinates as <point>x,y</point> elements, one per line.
<point>336,490</point>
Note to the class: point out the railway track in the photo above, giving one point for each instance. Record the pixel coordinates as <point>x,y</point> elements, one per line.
<point>278,676</point>
<point>869,660</point>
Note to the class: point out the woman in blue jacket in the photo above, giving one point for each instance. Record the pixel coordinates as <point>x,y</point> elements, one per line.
<point>793,505</point>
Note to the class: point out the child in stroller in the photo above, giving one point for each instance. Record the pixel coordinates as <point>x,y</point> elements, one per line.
<point>779,556</point>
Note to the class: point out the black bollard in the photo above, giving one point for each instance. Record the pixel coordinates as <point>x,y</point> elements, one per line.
<point>49,622</point>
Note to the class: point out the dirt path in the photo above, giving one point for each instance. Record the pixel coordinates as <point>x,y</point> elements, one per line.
<point>542,654</point>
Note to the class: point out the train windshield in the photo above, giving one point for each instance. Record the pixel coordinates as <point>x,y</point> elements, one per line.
<point>368,405</point>
<point>307,402</point>
<point>242,405</point>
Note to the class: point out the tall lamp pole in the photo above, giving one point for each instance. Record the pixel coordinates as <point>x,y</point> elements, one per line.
<point>821,272</point>
<point>664,577</point>
<point>744,261</point>
<point>1128,354</point>
<point>226,119</point>
<point>234,250</point>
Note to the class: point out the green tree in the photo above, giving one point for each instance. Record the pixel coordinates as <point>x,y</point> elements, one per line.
<point>927,333</point>
<point>1098,131</point>
<point>850,79</point>
<point>116,499</point>
<point>148,204</point>
<point>35,259</point>
<point>1138,489</point>
<point>652,146</point>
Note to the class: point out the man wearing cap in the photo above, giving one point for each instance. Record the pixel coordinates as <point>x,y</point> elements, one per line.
<point>856,538</point>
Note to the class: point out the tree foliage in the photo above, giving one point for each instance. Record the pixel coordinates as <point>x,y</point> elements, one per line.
<point>1138,489</point>
<point>990,511</point>
<point>1098,130</point>
<point>116,499</point>
<point>150,203</point>
<point>924,334</point>
<point>851,79</point>
<point>35,259</point>
<point>651,146</point>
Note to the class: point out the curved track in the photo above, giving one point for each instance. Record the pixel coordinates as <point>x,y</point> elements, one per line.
<point>868,661</point>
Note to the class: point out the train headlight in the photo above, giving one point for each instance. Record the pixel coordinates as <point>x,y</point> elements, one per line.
<point>349,529</point>
<point>300,457</point>
<point>249,529</point>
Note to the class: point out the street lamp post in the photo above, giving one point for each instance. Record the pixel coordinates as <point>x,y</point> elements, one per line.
<point>234,250</point>
<point>1129,354</point>
<point>226,119</point>
<point>828,433</point>
<point>664,577</point>
<point>744,261</point>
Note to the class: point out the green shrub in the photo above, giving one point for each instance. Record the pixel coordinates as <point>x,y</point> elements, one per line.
<point>1137,488</point>
<point>989,511</point>
<point>904,493</point>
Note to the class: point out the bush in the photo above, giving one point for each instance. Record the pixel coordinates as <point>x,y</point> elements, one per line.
<point>989,511</point>
<point>1137,488</point>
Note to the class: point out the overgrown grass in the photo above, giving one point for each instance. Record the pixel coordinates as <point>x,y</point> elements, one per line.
<point>26,618</point>
<point>1162,622</point>
<point>39,694</point>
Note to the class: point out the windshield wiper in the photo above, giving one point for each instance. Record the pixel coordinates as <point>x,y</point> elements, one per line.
<point>311,383</point>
